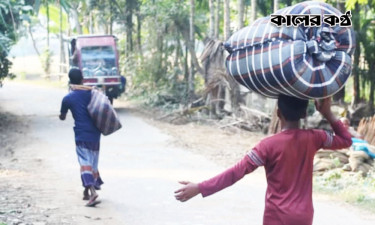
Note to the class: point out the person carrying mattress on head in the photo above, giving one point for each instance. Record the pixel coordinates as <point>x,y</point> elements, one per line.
<point>288,161</point>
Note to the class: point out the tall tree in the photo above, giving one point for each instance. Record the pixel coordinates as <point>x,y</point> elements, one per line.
<point>275,5</point>
<point>253,10</point>
<point>234,88</point>
<point>139,28</point>
<point>240,13</point>
<point>62,52</point>
<point>217,18</point>
<point>129,9</point>
<point>47,11</point>
<point>211,33</point>
<point>191,87</point>
<point>366,36</point>
<point>357,54</point>
<point>75,16</point>
<point>226,19</point>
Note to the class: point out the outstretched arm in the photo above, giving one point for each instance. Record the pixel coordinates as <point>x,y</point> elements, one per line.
<point>217,183</point>
<point>64,108</point>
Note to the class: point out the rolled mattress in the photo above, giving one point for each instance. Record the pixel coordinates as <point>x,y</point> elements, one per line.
<point>304,61</point>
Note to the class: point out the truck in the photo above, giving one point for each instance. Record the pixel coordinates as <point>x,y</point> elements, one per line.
<point>98,59</point>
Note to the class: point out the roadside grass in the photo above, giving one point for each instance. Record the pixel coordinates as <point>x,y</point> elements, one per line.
<point>353,188</point>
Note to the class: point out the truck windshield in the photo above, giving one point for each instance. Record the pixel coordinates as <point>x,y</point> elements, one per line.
<point>98,60</point>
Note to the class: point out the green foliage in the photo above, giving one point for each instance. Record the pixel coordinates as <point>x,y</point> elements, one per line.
<point>54,16</point>
<point>157,73</point>
<point>350,4</point>
<point>11,15</point>
<point>146,85</point>
<point>5,65</point>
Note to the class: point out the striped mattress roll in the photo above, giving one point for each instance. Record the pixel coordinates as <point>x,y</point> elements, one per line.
<point>102,113</point>
<point>305,62</point>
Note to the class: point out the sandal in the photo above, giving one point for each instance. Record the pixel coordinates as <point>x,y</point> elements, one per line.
<point>93,204</point>
<point>92,201</point>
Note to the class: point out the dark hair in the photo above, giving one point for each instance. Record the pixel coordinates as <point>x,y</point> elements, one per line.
<point>292,108</point>
<point>75,76</point>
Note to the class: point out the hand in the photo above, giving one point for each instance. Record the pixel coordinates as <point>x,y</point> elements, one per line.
<point>324,107</point>
<point>188,191</point>
<point>62,116</point>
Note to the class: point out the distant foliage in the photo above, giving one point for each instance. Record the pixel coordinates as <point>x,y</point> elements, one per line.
<point>12,13</point>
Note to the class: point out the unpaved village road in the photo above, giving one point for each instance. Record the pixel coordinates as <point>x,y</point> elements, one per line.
<point>139,165</point>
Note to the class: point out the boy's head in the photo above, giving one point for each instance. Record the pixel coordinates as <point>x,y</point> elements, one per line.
<point>292,108</point>
<point>75,76</point>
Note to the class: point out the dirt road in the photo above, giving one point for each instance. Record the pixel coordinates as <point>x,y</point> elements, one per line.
<point>140,165</point>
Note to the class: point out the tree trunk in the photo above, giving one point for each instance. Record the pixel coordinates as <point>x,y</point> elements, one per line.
<point>129,26</point>
<point>217,19</point>
<point>240,13</point>
<point>253,10</point>
<point>186,36</point>
<point>110,29</point>
<point>47,10</point>
<point>371,99</point>
<point>62,52</point>
<point>76,18</point>
<point>186,64</point>
<point>275,5</point>
<point>357,54</point>
<point>234,88</point>
<point>176,61</point>
<point>91,23</point>
<point>33,41</point>
<point>191,87</point>
<point>340,6</point>
<point>226,20</point>
<point>139,29</point>
<point>211,32</point>
<point>159,56</point>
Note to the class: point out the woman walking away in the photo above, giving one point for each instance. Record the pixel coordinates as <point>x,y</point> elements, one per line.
<point>87,136</point>
<point>288,161</point>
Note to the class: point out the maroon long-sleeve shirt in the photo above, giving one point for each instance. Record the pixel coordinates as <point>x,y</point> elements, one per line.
<point>288,160</point>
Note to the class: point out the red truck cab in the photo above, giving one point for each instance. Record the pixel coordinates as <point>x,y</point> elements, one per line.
<point>97,57</point>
